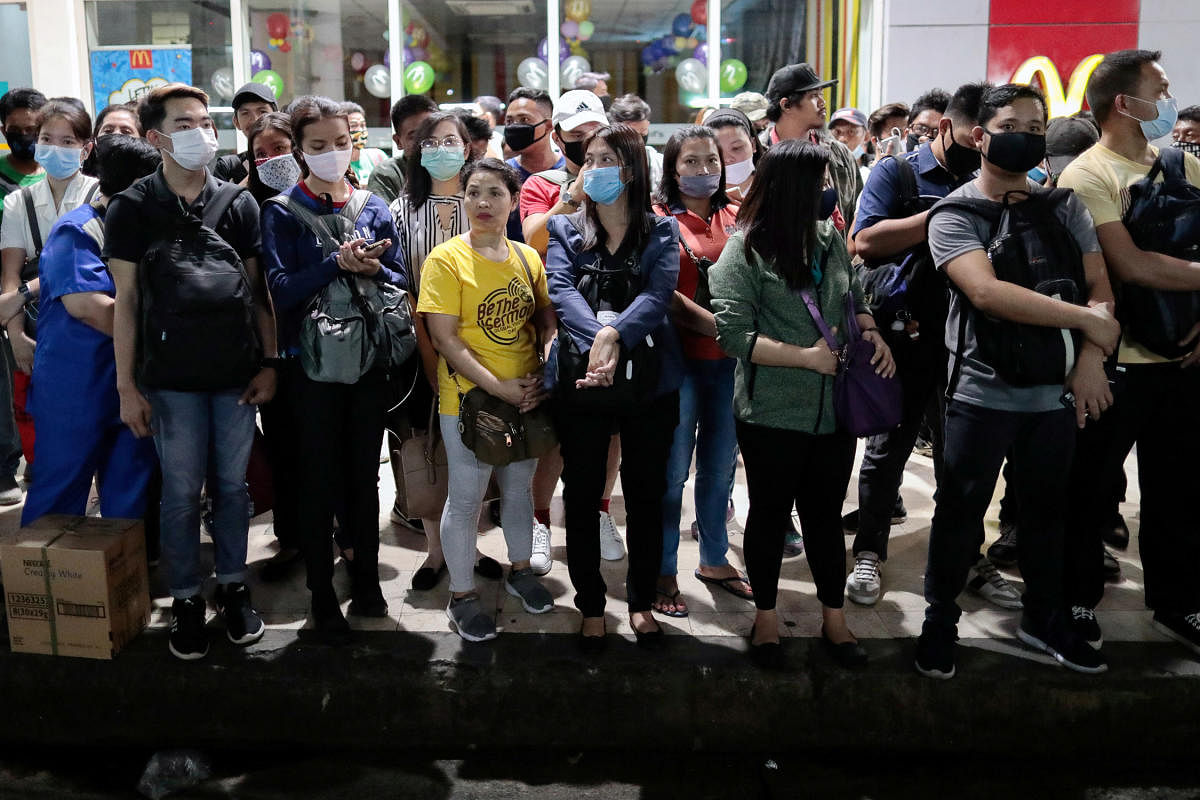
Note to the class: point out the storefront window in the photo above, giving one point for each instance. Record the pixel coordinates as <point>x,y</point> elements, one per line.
<point>760,36</point>
<point>15,70</point>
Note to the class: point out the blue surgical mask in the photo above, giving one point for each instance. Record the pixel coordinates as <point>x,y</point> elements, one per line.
<point>59,162</point>
<point>699,186</point>
<point>603,184</point>
<point>829,199</point>
<point>1161,125</point>
<point>859,151</point>
<point>443,163</point>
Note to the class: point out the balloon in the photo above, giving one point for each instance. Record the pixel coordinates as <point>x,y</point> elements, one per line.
<point>420,36</point>
<point>358,61</point>
<point>222,82</point>
<point>572,69</point>
<point>259,61</point>
<point>666,45</point>
<point>418,77</point>
<point>379,80</point>
<point>285,47</point>
<point>570,29</point>
<point>733,75</point>
<point>543,50</point>
<point>680,44</point>
<point>700,34</point>
<point>700,12</point>
<point>649,56</point>
<point>577,49</point>
<point>701,53</point>
<point>387,59</point>
<point>692,75</point>
<point>578,10</point>
<point>533,73</point>
<point>408,56</point>
<point>682,25</point>
<point>271,78</point>
<point>586,29</point>
<point>420,54</point>
<point>278,25</point>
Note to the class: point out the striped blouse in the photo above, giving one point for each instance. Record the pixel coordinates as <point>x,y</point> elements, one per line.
<point>440,219</point>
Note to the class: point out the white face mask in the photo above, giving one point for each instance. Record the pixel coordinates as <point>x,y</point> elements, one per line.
<point>279,173</point>
<point>737,174</point>
<point>329,166</point>
<point>192,149</point>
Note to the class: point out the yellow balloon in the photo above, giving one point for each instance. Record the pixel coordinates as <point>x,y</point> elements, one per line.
<point>578,10</point>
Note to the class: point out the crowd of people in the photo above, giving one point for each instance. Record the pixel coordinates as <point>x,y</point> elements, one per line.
<point>562,302</point>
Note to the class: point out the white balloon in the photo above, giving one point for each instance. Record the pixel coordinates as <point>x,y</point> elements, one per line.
<point>691,74</point>
<point>222,82</point>
<point>572,69</point>
<point>378,79</point>
<point>534,73</point>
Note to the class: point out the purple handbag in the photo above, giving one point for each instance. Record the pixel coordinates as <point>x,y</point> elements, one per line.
<point>865,403</point>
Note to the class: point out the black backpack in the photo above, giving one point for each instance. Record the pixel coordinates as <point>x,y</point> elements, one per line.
<point>906,287</point>
<point>1162,218</point>
<point>1029,246</point>
<point>199,332</point>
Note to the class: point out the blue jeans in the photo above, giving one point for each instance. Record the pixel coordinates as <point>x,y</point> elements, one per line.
<point>198,434</point>
<point>705,401</point>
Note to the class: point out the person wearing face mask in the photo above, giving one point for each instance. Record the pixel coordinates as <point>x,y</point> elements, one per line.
<point>633,111</point>
<point>890,228</point>
<point>993,409</point>
<point>338,423</point>
<point>543,196</point>
<point>18,123</point>
<point>119,119</point>
<point>1185,135</point>
<point>365,159</point>
<point>1156,393</point>
<point>924,117</point>
<point>75,400</point>
<point>30,213</point>
<point>740,150</point>
<point>250,102</point>
<point>196,394</point>
<point>849,126</point>
<point>693,193</point>
<point>387,179</point>
<point>527,133</point>
<point>615,366</point>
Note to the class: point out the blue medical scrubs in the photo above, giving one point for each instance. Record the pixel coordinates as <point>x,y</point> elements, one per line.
<point>74,402</point>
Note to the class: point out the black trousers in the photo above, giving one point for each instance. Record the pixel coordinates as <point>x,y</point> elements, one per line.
<point>281,425</point>
<point>786,468</point>
<point>1154,407</point>
<point>646,436</point>
<point>977,440</point>
<point>341,431</point>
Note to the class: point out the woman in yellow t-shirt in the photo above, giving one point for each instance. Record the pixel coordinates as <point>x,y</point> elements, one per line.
<point>482,311</point>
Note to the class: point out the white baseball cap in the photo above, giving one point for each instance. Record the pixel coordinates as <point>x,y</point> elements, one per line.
<point>578,107</point>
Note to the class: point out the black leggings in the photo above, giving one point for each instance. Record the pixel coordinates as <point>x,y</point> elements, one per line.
<point>783,468</point>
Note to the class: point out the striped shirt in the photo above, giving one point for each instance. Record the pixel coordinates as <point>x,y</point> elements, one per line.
<point>438,220</point>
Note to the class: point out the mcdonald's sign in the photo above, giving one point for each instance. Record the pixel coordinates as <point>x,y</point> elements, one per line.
<point>1033,41</point>
<point>141,59</point>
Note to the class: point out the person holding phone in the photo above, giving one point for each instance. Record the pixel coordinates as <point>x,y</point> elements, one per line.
<point>340,426</point>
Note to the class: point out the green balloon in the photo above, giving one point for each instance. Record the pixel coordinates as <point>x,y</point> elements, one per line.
<point>271,78</point>
<point>418,77</point>
<point>733,75</point>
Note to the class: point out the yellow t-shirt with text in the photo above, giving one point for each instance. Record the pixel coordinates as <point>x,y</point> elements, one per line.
<point>494,304</point>
<point>1102,179</point>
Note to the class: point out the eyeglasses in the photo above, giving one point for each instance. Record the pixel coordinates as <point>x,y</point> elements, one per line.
<point>449,142</point>
<point>923,130</point>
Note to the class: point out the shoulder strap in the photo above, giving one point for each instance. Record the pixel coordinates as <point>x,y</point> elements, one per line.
<point>91,193</point>
<point>1171,164</point>
<point>537,334</point>
<point>219,203</point>
<point>308,219</point>
<point>94,228</point>
<point>815,311</point>
<point>31,217</point>
<point>908,183</point>
<point>8,184</point>
<point>556,176</point>
<point>355,205</point>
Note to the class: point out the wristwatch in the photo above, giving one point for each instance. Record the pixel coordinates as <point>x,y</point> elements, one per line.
<point>25,293</point>
<point>571,201</point>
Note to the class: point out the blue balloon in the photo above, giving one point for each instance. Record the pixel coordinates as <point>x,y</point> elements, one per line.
<point>700,34</point>
<point>649,56</point>
<point>667,45</point>
<point>682,25</point>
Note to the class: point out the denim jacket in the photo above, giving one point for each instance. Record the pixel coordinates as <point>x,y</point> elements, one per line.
<point>646,316</point>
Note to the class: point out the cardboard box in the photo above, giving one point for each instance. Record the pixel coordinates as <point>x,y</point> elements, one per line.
<point>76,586</point>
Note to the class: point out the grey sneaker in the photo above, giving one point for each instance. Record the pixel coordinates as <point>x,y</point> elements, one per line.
<point>863,585</point>
<point>523,584</point>
<point>10,491</point>
<point>987,582</point>
<point>472,622</point>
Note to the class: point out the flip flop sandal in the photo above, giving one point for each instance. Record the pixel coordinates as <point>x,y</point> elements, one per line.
<point>672,597</point>
<point>727,584</point>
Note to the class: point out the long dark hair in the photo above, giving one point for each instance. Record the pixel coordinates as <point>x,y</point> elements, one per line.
<point>418,182</point>
<point>668,191</point>
<point>631,153</point>
<point>780,212</point>
<point>276,121</point>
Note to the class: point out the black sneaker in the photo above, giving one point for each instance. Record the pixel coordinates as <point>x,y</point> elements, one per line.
<point>1055,636</point>
<point>188,639</point>
<point>1118,535</point>
<point>242,623</point>
<point>1083,621</point>
<point>1003,552</point>
<point>412,523</point>
<point>899,516</point>
<point>1183,628</point>
<point>935,656</point>
<point>1112,567</point>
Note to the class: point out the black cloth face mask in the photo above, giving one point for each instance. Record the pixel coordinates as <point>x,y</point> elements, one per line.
<point>1016,152</point>
<point>961,161</point>
<point>519,135</point>
<point>574,152</point>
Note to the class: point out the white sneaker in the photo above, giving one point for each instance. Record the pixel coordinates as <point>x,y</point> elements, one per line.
<point>612,547</point>
<point>863,585</point>
<point>540,562</point>
<point>987,582</point>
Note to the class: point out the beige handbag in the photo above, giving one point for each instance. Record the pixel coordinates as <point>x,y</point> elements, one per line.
<point>419,467</point>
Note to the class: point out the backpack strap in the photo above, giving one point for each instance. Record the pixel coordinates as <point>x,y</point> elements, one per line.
<point>537,334</point>
<point>91,193</point>
<point>219,203</point>
<point>558,177</point>
<point>7,184</point>
<point>31,218</point>
<point>355,205</point>
<point>1171,164</point>
<point>909,196</point>
<point>308,219</point>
